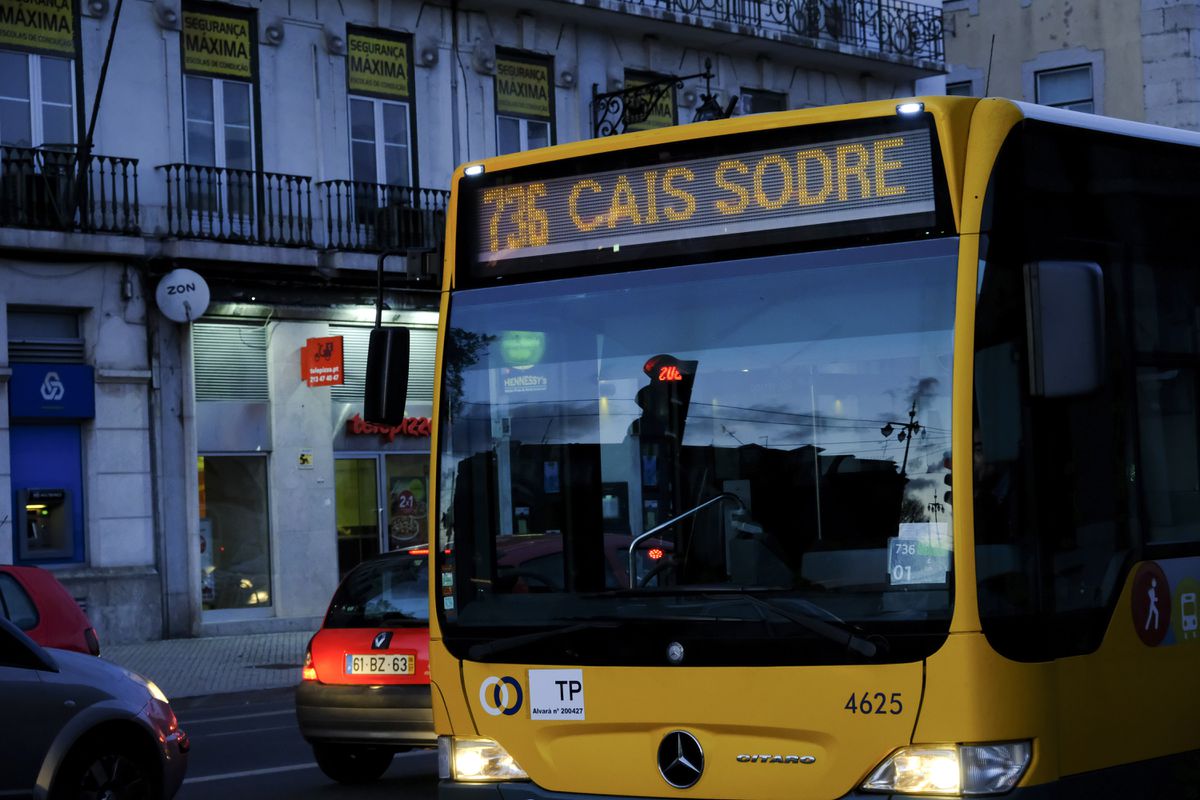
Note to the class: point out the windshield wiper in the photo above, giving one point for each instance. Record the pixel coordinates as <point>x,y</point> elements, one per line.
<point>481,651</point>
<point>838,631</point>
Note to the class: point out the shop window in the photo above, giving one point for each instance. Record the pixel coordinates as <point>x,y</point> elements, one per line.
<point>235,553</point>
<point>760,101</point>
<point>1070,88</point>
<point>524,102</point>
<point>357,487</point>
<point>36,100</point>
<point>356,484</point>
<point>408,500</point>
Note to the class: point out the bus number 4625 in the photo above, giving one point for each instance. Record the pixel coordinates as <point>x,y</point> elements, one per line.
<point>874,703</point>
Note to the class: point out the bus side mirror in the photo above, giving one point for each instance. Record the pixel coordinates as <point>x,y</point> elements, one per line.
<point>386,387</point>
<point>1065,308</point>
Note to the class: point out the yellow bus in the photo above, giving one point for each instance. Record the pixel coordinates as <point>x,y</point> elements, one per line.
<point>829,453</point>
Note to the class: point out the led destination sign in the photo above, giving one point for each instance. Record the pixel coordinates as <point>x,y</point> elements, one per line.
<point>865,178</point>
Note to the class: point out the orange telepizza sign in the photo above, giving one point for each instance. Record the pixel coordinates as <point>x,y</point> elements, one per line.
<point>410,426</point>
<point>321,362</point>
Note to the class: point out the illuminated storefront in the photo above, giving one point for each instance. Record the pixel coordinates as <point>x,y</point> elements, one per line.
<point>294,487</point>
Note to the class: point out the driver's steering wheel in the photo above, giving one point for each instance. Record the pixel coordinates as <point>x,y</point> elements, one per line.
<point>667,564</point>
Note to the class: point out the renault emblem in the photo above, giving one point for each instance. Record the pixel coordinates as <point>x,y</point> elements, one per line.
<point>680,759</point>
<point>382,640</point>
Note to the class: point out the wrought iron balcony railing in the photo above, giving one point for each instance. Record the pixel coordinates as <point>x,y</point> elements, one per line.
<point>371,217</point>
<point>889,27</point>
<point>239,205</point>
<point>41,187</point>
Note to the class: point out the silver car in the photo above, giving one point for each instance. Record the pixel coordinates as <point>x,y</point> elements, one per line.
<point>76,726</point>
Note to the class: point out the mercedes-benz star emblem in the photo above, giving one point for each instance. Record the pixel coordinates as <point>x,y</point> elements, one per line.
<point>680,759</point>
<point>675,653</point>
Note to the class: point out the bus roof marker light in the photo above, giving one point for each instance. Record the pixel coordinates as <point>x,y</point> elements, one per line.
<point>910,108</point>
<point>473,171</point>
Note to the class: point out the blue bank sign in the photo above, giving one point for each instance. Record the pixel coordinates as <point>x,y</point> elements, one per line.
<point>62,391</point>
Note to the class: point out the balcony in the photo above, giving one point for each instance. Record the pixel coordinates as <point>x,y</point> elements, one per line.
<point>238,206</point>
<point>372,217</point>
<point>202,213</point>
<point>905,33</point>
<point>40,188</point>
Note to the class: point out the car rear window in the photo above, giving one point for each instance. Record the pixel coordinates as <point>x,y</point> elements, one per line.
<point>16,603</point>
<point>385,592</point>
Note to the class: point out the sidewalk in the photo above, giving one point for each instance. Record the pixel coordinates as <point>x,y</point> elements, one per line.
<point>216,664</point>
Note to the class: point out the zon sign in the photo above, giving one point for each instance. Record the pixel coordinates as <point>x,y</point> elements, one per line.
<point>870,177</point>
<point>182,295</point>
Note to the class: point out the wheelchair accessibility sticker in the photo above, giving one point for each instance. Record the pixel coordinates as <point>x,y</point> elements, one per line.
<point>501,695</point>
<point>1164,601</point>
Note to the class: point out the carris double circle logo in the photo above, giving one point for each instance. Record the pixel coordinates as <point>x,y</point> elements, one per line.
<point>52,387</point>
<point>495,697</point>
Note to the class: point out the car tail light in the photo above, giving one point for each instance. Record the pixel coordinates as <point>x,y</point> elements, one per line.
<point>309,673</point>
<point>93,641</point>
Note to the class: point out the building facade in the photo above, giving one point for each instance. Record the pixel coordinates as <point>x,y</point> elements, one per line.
<point>199,469</point>
<point>1137,60</point>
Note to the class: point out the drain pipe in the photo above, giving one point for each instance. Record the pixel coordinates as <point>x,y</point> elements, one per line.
<point>455,65</point>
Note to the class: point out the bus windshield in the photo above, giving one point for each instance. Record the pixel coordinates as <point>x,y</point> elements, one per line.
<point>747,456</point>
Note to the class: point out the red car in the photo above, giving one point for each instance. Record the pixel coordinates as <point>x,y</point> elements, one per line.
<point>34,600</point>
<point>364,693</point>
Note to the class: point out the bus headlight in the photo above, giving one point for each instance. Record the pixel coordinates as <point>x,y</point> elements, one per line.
<point>976,769</point>
<point>476,760</point>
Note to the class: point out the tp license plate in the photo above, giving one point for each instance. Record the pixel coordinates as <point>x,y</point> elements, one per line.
<point>380,664</point>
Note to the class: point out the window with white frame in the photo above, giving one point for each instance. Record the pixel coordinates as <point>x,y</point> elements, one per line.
<point>36,99</point>
<point>1069,87</point>
<point>380,142</point>
<point>959,89</point>
<point>514,134</point>
<point>219,119</point>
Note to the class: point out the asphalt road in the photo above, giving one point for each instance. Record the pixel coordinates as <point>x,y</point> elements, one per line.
<point>249,746</point>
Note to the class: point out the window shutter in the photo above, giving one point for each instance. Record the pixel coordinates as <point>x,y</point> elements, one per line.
<point>39,336</point>
<point>422,348</point>
<point>230,361</point>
